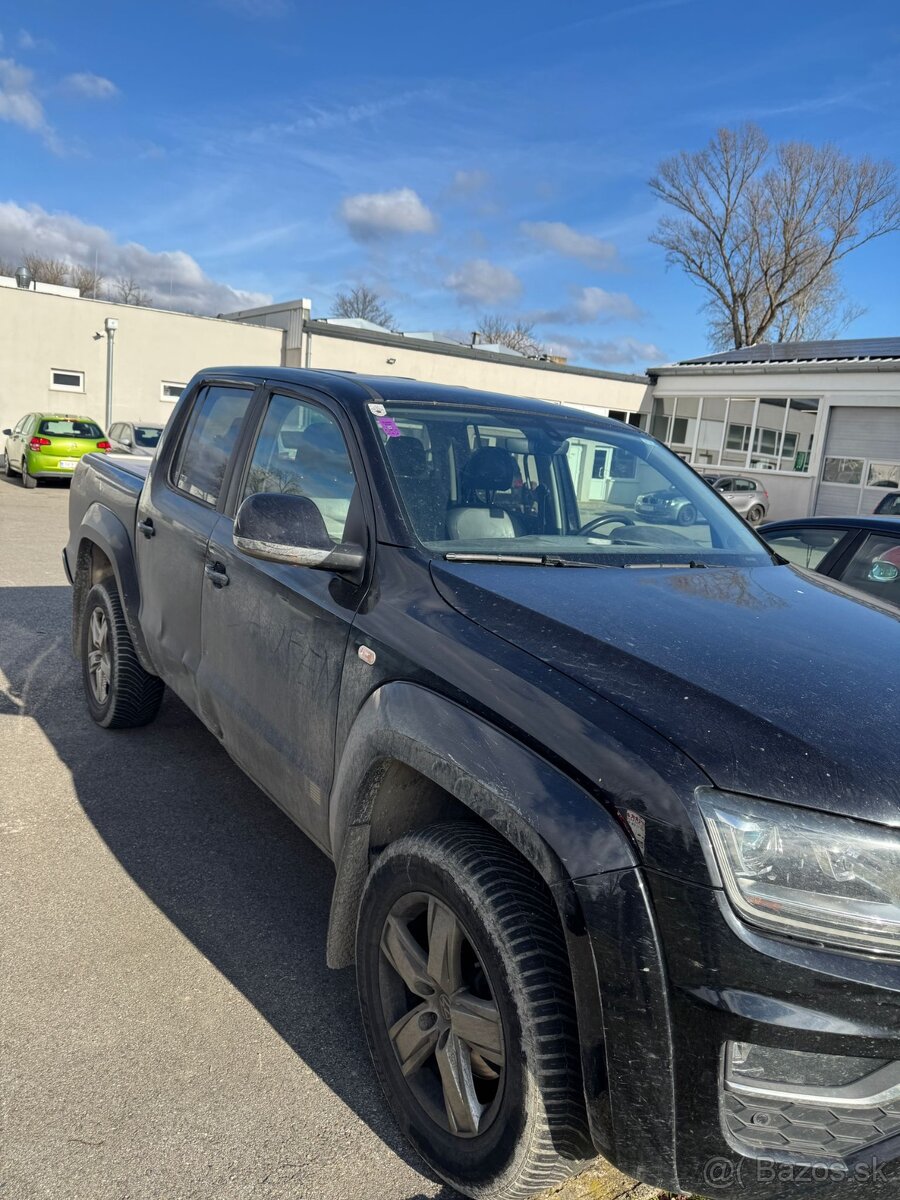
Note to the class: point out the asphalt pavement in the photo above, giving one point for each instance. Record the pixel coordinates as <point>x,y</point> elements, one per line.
<point>169,1027</point>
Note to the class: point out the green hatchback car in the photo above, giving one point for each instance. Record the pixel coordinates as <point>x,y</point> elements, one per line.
<point>50,445</point>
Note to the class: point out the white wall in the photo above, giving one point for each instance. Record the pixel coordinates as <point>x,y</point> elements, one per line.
<point>370,358</point>
<point>40,332</point>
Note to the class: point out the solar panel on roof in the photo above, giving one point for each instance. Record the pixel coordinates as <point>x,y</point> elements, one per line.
<point>846,349</point>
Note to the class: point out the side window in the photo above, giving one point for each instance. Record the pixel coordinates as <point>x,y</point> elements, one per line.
<point>207,443</point>
<point>724,485</point>
<point>301,451</point>
<point>875,567</point>
<point>805,547</point>
<point>744,485</point>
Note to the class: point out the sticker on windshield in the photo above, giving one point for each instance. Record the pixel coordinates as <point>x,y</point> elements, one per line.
<point>389,427</point>
<point>377,410</point>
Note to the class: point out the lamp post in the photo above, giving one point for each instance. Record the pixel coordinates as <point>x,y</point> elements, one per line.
<point>111,325</point>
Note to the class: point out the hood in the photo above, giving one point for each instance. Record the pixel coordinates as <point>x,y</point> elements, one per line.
<point>772,679</point>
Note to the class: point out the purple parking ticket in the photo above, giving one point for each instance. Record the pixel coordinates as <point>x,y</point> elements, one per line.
<point>388,426</point>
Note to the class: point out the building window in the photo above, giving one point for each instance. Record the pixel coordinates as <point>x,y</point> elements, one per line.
<point>738,433</point>
<point>171,391</point>
<point>67,381</point>
<point>843,470</point>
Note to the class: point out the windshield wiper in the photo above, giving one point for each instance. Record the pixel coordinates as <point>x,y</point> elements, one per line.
<point>526,560</point>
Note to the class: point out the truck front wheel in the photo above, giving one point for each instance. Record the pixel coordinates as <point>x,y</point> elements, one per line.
<point>120,693</point>
<point>467,1005</point>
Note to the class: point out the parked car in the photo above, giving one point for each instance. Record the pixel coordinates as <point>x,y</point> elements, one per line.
<point>889,505</point>
<point>50,446</point>
<point>614,810</point>
<point>131,437</point>
<point>862,552</point>
<point>668,505</point>
<point>746,496</point>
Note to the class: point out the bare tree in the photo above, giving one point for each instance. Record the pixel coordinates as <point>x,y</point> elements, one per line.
<point>88,281</point>
<point>761,230</point>
<point>516,335</point>
<point>47,270</point>
<point>363,302</point>
<point>127,290</point>
<point>8,269</point>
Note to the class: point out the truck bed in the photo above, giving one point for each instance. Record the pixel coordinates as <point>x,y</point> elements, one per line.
<point>115,480</point>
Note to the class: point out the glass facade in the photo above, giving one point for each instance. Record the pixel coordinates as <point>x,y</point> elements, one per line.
<point>769,433</point>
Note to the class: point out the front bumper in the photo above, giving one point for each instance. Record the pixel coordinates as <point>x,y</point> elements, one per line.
<point>681,984</point>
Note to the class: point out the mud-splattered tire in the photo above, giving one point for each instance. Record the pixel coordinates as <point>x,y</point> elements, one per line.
<point>120,694</point>
<point>491,1094</point>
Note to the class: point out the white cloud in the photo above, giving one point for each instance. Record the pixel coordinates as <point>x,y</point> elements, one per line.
<point>170,278</point>
<point>564,240</point>
<point>467,183</point>
<point>371,216</point>
<point>612,352</point>
<point>589,304</point>
<point>90,86</point>
<point>483,283</point>
<point>18,100</point>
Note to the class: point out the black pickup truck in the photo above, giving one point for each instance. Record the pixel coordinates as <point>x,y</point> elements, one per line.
<point>614,805</point>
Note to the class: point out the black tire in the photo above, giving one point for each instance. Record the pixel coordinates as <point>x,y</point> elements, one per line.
<point>687,515</point>
<point>7,467</point>
<point>28,481</point>
<point>528,1128</point>
<point>756,514</point>
<point>132,696</point>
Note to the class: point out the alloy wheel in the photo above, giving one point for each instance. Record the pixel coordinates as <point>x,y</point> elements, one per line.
<point>99,656</point>
<point>443,1022</point>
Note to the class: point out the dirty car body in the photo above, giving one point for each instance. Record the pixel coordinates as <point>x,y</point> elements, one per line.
<point>691,744</point>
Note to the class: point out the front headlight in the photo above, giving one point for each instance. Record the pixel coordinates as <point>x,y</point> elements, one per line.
<point>806,874</point>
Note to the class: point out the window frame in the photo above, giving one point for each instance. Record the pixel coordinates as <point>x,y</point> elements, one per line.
<point>65,387</point>
<point>833,557</point>
<point>188,424</point>
<point>163,384</point>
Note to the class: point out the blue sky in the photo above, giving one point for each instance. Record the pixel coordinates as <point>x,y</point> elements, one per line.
<point>461,158</point>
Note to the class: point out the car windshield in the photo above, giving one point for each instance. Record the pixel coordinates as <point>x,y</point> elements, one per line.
<point>484,481</point>
<point>146,436</point>
<point>70,427</point>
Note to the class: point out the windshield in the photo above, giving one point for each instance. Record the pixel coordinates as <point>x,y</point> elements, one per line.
<point>146,436</point>
<point>483,481</point>
<point>73,427</point>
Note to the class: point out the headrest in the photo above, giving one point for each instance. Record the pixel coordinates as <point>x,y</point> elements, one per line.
<point>292,439</point>
<point>325,437</point>
<point>407,456</point>
<point>490,469</point>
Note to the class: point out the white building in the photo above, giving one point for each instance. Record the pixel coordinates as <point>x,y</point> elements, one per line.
<point>817,422</point>
<point>53,346</point>
<point>53,355</point>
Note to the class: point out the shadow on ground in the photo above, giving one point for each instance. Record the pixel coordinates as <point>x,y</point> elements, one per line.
<point>205,846</point>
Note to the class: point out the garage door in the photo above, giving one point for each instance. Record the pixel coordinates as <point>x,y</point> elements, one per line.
<point>862,459</point>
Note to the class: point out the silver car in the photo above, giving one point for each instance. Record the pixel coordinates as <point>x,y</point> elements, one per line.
<point>746,496</point>
<point>135,437</point>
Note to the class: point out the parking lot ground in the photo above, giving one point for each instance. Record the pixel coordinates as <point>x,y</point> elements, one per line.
<point>169,1027</point>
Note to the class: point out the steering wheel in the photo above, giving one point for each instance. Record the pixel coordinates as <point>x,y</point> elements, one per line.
<point>618,518</point>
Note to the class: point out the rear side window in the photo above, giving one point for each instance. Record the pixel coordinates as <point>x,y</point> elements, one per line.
<point>890,506</point>
<point>805,547</point>
<point>146,436</point>
<point>208,442</point>
<point>70,428</point>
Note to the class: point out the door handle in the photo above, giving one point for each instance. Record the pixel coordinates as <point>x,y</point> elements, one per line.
<point>217,575</point>
<point>146,527</point>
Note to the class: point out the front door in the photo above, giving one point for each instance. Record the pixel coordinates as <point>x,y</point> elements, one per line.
<point>176,514</point>
<point>273,635</point>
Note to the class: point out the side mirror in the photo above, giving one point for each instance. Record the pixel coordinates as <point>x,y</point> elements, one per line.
<point>883,572</point>
<point>7,433</point>
<point>290,529</point>
<point>126,442</point>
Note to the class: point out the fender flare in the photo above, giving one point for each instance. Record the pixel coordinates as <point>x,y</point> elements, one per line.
<point>102,528</point>
<point>564,832</point>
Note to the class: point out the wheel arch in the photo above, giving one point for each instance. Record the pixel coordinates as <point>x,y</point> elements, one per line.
<point>104,549</point>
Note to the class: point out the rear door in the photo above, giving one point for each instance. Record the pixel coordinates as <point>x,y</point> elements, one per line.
<point>175,516</point>
<point>274,635</point>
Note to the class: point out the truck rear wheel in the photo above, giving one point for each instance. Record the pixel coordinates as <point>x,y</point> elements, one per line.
<point>467,1004</point>
<point>120,693</point>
